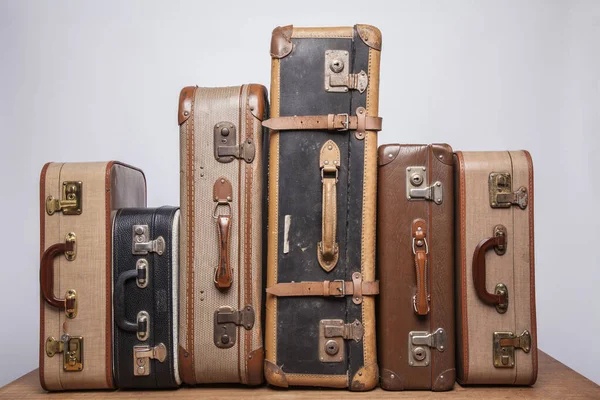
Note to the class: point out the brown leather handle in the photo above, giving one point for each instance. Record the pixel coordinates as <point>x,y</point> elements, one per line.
<point>223,274</point>
<point>47,274</point>
<point>498,242</point>
<point>421,252</point>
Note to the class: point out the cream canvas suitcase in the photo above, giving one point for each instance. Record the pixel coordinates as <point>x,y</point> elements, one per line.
<point>221,234</point>
<point>496,320</point>
<point>76,202</point>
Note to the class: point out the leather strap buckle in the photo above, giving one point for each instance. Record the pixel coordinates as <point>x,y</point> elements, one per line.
<point>341,289</point>
<point>345,123</point>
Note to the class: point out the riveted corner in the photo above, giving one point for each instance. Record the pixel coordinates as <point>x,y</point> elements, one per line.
<point>443,153</point>
<point>186,366</point>
<point>254,366</point>
<point>274,375</point>
<point>387,153</point>
<point>391,380</point>
<point>444,381</point>
<point>370,35</point>
<point>365,378</point>
<point>257,100</point>
<point>281,41</point>
<point>185,103</point>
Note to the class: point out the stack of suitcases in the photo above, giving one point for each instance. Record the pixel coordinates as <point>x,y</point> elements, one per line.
<point>301,254</point>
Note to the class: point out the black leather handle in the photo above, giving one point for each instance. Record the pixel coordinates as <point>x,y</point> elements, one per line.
<point>119,301</point>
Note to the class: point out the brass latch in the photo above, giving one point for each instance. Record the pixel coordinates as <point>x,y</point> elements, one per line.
<point>142,244</point>
<point>226,321</point>
<point>332,333</point>
<point>337,76</point>
<point>420,344</point>
<point>505,344</point>
<point>417,187</point>
<point>226,149</point>
<point>73,356</point>
<point>501,194</point>
<point>142,354</point>
<point>70,204</point>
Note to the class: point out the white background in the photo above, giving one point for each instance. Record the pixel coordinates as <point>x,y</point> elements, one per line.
<point>99,80</point>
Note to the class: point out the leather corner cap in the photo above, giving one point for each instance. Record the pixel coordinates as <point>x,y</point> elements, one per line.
<point>370,35</point>
<point>443,153</point>
<point>274,375</point>
<point>186,98</point>
<point>444,381</point>
<point>281,41</point>
<point>391,380</point>
<point>387,153</point>
<point>365,378</point>
<point>186,366</point>
<point>257,100</point>
<point>254,366</point>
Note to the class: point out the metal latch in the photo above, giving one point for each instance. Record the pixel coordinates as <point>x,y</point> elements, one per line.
<point>142,244</point>
<point>226,321</point>
<point>337,76</point>
<point>143,326</point>
<point>73,356</point>
<point>501,194</point>
<point>420,344</point>
<point>142,273</point>
<point>71,199</point>
<point>417,186</point>
<point>332,333</point>
<point>505,344</point>
<point>142,354</point>
<point>226,150</point>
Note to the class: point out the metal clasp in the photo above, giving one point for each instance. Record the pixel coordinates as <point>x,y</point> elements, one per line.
<point>226,321</point>
<point>142,354</point>
<point>420,344</point>
<point>341,289</point>
<point>143,323</point>
<point>142,244</point>
<point>501,194</point>
<point>71,202</point>
<point>73,355</point>
<point>142,273</point>
<point>504,345</point>
<point>332,333</point>
<point>226,149</point>
<point>417,186</point>
<point>338,79</point>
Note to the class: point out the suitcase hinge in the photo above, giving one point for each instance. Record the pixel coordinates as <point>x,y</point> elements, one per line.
<point>73,357</point>
<point>142,244</point>
<point>332,333</point>
<point>142,354</point>
<point>227,320</point>
<point>417,187</point>
<point>501,194</point>
<point>420,344</point>
<point>70,204</point>
<point>337,76</point>
<point>226,149</point>
<point>505,344</point>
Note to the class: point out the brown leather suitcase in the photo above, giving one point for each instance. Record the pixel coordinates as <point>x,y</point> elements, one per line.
<point>76,203</point>
<point>496,332</point>
<point>320,322</point>
<point>415,260</point>
<point>220,289</point>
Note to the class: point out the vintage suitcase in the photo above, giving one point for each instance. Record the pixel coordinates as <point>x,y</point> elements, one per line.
<point>320,322</point>
<point>496,332</point>
<point>76,202</point>
<point>145,297</point>
<point>221,234</point>
<point>415,259</point>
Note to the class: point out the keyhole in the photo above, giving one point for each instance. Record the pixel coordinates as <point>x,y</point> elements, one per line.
<point>337,66</point>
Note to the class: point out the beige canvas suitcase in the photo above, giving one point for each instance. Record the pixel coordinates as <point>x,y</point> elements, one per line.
<point>221,234</point>
<point>496,320</point>
<point>76,202</point>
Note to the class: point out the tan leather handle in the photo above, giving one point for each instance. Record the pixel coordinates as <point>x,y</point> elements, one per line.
<point>223,274</point>
<point>327,248</point>
<point>47,274</point>
<point>421,252</point>
<point>497,242</point>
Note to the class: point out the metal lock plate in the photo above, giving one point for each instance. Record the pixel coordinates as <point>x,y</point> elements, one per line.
<point>225,144</point>
<point>226,321</point>
<point>142,273</point>
<point>72,349</point>
<point>338,78</point>
<point>142,354</point>
<point>71,201</point>
<point>504,345</point>
<point>142,244</point>
<point>417,186</point>
<point>420,344</point>
<point>501,194</point>
<point>143,323</point>
<point>329,345</point>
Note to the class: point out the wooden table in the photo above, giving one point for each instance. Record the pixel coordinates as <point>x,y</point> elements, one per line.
<point>555,380</point>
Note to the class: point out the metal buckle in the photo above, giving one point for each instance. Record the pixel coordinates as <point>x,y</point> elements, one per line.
<point>346,123</point>
<point>342,290</point>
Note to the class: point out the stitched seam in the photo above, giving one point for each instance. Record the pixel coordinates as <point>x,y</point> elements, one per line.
<point>462,239</point>
<point>190,235</point>
<point>248,231</point>
<point>238,282</point>
<point>275,202</point>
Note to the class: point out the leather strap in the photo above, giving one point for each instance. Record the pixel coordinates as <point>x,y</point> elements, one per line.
<point>327,248</point>
<point>223,274</point>
<point>336,288</point>
<point>330,122</point>
<point>479,279</point>
<point>47,275</point>
<point>421,252</point>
